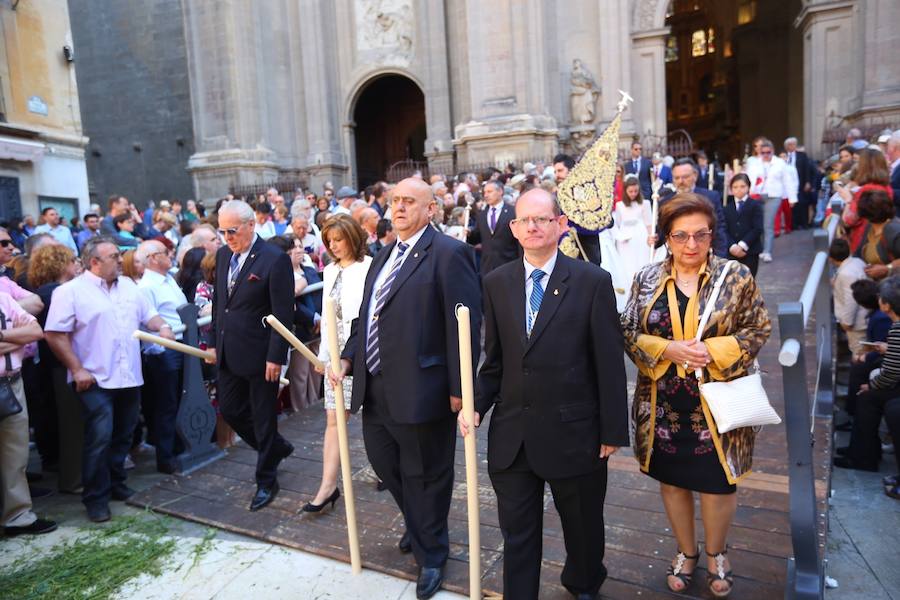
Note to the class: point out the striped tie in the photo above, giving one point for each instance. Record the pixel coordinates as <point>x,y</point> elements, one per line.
<point>537,295</point>
<point>373,360</point>
<point>233,272</point>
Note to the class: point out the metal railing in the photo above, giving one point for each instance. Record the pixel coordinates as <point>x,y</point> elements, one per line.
<point>806,576</point>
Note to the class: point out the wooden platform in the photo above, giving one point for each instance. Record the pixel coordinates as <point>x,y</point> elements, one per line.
<point>639,544</point>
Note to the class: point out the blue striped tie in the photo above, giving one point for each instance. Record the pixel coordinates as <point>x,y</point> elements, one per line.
<point>373,360</point>
<point>233,272</point>
<point>537,296</point>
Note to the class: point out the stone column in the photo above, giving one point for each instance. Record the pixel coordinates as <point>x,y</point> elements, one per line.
<point>879,46</point>
<point>615,59</point>
<point>226,97</point>
<point>432,47</point>
<point>829,34</point>
<point>325,161</point>
<point>648,77</point>
<point>510,119</point>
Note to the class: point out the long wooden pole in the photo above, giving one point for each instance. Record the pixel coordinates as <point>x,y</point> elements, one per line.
<point>292,339</point>
<point>468,407</point>
<point>343,442</point>
<point>179,347</point>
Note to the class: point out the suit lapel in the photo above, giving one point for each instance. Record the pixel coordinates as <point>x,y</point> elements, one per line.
<point>553,296</point>
<point>414,258</point>
<point>503,219</point>
<point>245,268</point>
<point>516,293</point>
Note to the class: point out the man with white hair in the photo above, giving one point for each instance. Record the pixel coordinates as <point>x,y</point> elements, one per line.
<point>854,138</point>
<point>253,279</point>
<point>805,174</point>
<point>162,365</point>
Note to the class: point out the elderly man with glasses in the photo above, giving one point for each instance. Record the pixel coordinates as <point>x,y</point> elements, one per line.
<point>89,328</point>
<point>253,279</point>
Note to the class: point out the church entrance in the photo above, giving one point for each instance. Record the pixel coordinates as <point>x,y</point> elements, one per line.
<point>390,126</point>
<point>734,70</point>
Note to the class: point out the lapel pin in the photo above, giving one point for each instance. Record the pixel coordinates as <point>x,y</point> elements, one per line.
<point>556,292</point>
<point>416,255</point>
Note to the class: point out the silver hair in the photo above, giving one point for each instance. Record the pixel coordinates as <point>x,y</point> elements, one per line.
<point>89,250</point>
<point>791,140</point>
<point>145,249</point>
<point>239,208</point>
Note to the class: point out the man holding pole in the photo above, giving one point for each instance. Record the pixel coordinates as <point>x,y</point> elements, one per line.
<point>89,328</point>
<point>403,353</point>
<point>253,279</point>
<point>554,373</point>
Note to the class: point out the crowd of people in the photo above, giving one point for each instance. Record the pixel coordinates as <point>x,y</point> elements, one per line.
<point>397,258</point>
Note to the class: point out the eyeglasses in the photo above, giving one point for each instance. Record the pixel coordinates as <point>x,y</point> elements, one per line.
<point>6,243</point>
<point>540,222</point>
<point>765,152</point>
<point>681,237</point>
<point>229,231</point>
<point>113,256</point>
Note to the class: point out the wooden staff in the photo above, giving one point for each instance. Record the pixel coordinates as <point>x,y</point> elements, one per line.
<point>465,222</point>
<point>468,409</point>
<point>292,339</point>
<point>343,443</point>
<point>711,171</point>
<point>183,348</point>
<point>654,213</point>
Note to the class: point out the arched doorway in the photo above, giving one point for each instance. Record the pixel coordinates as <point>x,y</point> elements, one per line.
<point>390,126</point>
<point>733,71</point>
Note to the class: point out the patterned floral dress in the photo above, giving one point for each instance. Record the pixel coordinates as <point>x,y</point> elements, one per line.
<point>683,451</point>
<point>347,382</point>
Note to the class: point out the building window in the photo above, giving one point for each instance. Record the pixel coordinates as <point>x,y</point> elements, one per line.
<point>671,49</point>
<point>711,41</point>
<point>698,43</point>
<point>746,12</point>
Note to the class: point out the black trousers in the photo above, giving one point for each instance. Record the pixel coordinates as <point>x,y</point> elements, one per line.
<point>871,406</point>
<point>416,464</point>
<point>250,406</point>
<point>163,394</point>
<point>520,504</point>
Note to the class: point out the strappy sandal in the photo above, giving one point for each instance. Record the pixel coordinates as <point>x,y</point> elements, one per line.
<point>720,575</point>
<point>677,571</point>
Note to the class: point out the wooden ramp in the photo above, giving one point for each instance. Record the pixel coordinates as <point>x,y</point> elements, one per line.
<point>639,544</point>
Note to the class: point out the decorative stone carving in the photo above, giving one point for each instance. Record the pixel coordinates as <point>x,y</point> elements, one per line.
<point>583,97</point>
<point>645,15</point>
<point>385,26</point>
<point>581,137</point>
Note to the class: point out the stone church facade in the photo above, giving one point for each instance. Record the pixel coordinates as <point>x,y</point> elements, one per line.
<point>279,89</point>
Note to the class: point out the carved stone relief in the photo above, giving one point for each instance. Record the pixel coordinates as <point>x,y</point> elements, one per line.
<point>385,28</point>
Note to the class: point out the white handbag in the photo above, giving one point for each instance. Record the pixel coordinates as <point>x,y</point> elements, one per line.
<point>741,402</point>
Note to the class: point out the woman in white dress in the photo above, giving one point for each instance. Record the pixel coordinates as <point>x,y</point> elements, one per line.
<point>633,224</point>
<point>343,280</point>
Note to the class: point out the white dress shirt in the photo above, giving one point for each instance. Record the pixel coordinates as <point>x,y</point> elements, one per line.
<point>772,179</point>
<point>166,297</point>
<point>353,280</point>
<point>388,265</point>
<point>547,268</point>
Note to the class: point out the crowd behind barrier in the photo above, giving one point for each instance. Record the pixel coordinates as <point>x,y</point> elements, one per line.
<point>88,394</point>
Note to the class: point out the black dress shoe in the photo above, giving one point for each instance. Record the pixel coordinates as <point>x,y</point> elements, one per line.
<point>99,515</point>
<point>264,496</point>
<point>380,486</point>
<point>167,468</point>
<point>122,493</point>
<point>845,462</point>
<point>405,543</point>
<point>38,527</point>
<point>429,582</point>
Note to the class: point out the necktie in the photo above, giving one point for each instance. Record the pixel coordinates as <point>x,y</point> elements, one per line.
<point>373,360</point>
<point>537,296</point>
<point>637,165</point>
<point>233,272</point>
<point>493,218</point>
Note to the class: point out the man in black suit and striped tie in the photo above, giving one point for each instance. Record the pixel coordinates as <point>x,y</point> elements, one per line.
<point>403,353</point>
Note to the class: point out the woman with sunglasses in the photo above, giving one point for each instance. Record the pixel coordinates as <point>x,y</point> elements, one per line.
<point>676,441</point>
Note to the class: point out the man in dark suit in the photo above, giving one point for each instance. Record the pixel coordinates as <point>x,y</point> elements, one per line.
<point>560,409</point>
<point>744,220</point>
<point>385,234</point>
<point>640,166</point>
<point>498,246</point>
<point>253,279</point>
<point>403,353</point>
<point>684,176</point>
<point>805,174</point>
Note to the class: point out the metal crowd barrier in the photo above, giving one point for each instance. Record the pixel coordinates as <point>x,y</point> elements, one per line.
<point>805,576</point>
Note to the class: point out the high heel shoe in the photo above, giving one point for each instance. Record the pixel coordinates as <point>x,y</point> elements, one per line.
<point>309,507</point>
<point>720,575</point>
<point>677,570</point>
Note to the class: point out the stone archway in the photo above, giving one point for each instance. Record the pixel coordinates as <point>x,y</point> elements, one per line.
<point>389,120</point>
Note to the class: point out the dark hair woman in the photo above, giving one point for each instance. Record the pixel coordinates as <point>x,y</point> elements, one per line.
<point>871,173</point>
<point>676,441</point>
<point>190,273</point>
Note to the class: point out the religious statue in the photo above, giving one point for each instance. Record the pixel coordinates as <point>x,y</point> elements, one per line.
<point>583,96</point>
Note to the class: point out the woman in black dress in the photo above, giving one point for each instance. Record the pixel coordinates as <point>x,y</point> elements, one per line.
<point>676,441</point>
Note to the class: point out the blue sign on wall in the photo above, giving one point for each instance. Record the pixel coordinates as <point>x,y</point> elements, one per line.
<point>37,105</point>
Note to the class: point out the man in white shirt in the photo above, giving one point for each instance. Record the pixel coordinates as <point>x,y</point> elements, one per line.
<point>770,181</point>
<point>162,365</point>
<point>51,225</point>
<point>850,315</point>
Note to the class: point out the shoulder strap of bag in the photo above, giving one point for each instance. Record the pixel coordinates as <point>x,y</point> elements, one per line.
<point>710,305</point>
<point>6,356</point>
